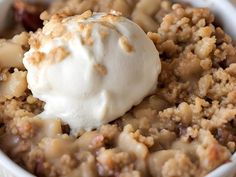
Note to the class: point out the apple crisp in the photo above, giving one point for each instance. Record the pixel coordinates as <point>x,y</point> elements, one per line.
<point>186,128</point>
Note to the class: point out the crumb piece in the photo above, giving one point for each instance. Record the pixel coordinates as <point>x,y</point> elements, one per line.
<point>34,42</point>
<point>67,36</point>
<point>115,12</point>
<point>111,18</point>
<point>97,142</point>
<point>81,27</point>
<point>231,97</point>
<point>59,31</point>
<point>85,15</point>
<point>206,64</point>
<point>101,69</point>
<point>148,141</point>
<point>56,55</point>
<point>36,58</point>
<point>205,32</point>
<point>103,33</point>
<point>58,17</point>
<point>88,30</point>
<point>231,69</point>
<point>154,37</point>
<point>44,15</point>
<point>89,41</point>
<point>125,45</point>
<point>31,100</point>
<point>205,46</point>
<point>231,146</point>
<point>87,38</point>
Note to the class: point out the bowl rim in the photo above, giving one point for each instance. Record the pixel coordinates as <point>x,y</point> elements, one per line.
<point>11,167</point>
<point>216,6</point>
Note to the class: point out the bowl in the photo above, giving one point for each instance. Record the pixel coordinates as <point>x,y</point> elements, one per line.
<point>224,10</point>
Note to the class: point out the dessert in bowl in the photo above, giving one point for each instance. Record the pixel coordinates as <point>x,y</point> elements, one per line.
<point>185,125</point>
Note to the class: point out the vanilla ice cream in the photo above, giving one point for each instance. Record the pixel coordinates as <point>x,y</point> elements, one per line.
<point>90,69</point>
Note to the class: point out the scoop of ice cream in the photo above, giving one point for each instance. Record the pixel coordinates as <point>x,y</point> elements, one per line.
<point>91,68</point>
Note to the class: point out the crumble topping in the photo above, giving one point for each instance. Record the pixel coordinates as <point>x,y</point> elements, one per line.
<point>34,42</point>
<point>101,69</point>
<point>112,17</point>
<point>87,38</point>
<point>125,45</point>
<point>36,58</point>
<point>57,54</point>
<point>85,15</point>
<point>103,33</point>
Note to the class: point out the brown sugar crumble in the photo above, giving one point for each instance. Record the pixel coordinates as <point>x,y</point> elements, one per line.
<point>34,42</point>
<point>186,128</point>
<point>57,54</point>
<point>103,33</point>
<point>86,15</point>
<point>112,17</point>
<point>87,38</point>
<point>101,69</point>
<point>125,45</point>
<point>37,58</point>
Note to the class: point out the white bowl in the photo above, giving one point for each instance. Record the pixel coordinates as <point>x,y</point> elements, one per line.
<point>224,10</point>
<point>10,169</point>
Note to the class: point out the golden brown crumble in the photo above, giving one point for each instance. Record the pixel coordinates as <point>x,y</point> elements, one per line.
<point>154,37</point>
<point>103,33</point>
<point>101,69</point>
<point>85,15</point>
<point>111,17</point>
<point>125,45</point>
<point>34,42</point>
<point>57,54</point>
<point>87,38</point>
<point>37,57</point>
<point>186,128</point>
